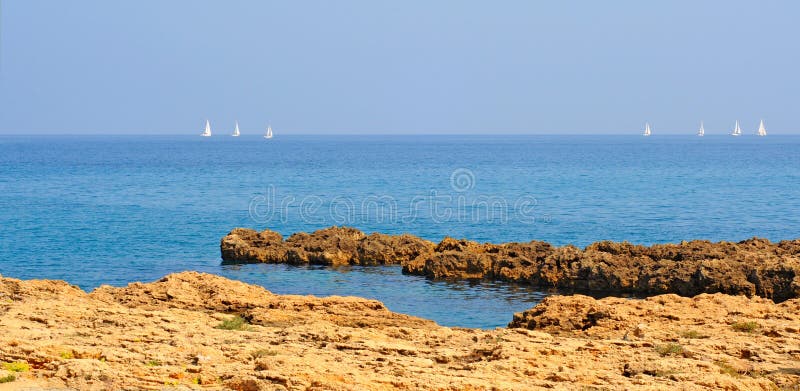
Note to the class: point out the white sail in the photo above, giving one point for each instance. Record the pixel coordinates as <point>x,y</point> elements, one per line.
<point>236,130</point>
<point>646,129</point>
<point>207,131</point>
<point>737,131</point>
<point>269,132</point>
<point>702,131</point>
<point>762,131</point>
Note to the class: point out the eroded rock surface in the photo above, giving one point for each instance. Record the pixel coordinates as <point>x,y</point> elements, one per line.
<point>753,267</point>
<point>166,334</point>
<point>329,246</point>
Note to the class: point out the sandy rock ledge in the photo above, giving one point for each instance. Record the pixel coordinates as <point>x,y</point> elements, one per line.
<point>166,334</point>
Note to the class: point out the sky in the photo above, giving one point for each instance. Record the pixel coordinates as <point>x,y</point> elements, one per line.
<point>398,67</point>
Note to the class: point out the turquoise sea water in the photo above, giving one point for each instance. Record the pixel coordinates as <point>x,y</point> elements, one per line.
<point>114,209</point>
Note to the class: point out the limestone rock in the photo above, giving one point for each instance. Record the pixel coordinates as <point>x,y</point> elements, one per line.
<point>380,249</point>
<point>555,315</point>
<point>166,334</point>
<point>329,246</point>
<point>753,267</point>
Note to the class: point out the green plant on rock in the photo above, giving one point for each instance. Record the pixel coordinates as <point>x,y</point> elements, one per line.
<point>153,363</point>
<point>693,334</point>
<point>745,327</point>
<point>236,323</point>
<point>671,349</point>
<point>8,378</point>
<point>727,369</point>
<point>66,355</point>
<point>17,366</point>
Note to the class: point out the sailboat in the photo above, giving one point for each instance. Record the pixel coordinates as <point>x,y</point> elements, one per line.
<point>762,131</point>
<point>236,130</point>
<point>268,135</point>
<point>207,131</point>
<point>646,129</point>
<point>737,131</point>
<point>702,131</point>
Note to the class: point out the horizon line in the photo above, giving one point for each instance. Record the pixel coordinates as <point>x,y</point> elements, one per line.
<point>291,134</point>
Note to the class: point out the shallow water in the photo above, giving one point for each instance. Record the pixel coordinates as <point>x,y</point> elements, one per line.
<point>114,209</point>
<point>459,303</point>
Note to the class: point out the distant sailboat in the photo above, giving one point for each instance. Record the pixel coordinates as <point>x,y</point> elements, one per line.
<point>646,129</point>
<point>268,135</point>
<point>702,131</point>
<point>737,131</point>
<point>236,130</point>
<point>762,131</point>
<point>207,131</point>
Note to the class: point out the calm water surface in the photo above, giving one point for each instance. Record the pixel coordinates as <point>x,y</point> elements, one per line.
<point>114,209</point>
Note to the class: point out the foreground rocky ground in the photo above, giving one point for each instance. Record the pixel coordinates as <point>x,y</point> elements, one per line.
<point>192,330</point>
<point>754,267</point>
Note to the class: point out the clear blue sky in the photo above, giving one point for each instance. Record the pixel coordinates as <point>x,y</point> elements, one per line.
<point>525,66</point>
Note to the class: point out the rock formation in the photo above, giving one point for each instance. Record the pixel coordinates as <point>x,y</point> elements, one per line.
<point>193,330</point>
<point>329,246</point>
<point>753,267</point>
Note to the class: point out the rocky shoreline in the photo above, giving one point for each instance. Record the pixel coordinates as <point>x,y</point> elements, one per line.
<point>200,331</point>
<point>753,267</point>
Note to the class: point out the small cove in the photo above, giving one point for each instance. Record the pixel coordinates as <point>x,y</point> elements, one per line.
<point>474,304</point>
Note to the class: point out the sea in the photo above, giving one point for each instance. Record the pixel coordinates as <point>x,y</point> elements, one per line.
<point>96,210</point>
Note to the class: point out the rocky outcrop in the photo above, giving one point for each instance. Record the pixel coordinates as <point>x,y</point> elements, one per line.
<point>248,246</point>
<point>379,249</point>
<point>329,246</point>
<point>753,267</point>
<point>557,315</point>
<point>200,331</point>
